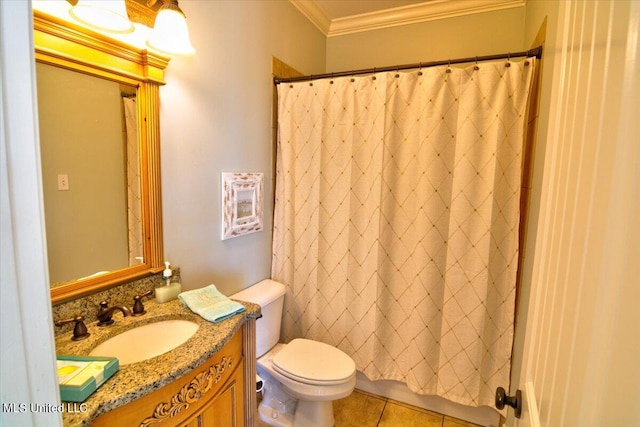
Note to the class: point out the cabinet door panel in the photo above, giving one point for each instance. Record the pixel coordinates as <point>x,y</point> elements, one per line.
<point>227,408</point>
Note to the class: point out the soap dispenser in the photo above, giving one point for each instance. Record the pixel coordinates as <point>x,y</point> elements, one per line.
<point>170,290</point>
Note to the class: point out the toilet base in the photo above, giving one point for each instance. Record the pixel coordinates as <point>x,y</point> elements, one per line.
<point>273,417</point>
<point>314,414</point>
<point>307,414</point>
<point>279,409</point>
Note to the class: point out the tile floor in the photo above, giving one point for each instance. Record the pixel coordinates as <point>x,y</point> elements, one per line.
<point>362,409</point>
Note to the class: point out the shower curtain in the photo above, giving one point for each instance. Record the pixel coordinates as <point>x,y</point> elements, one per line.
<point>134,202</point>
<point>396,221</point>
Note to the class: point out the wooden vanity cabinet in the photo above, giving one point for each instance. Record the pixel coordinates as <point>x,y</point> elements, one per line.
<point>211,395</point>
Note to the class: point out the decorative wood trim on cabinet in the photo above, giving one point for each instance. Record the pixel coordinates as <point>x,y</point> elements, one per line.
<point>250,372</point>
<point>190,393</point>
<point>214,391</point>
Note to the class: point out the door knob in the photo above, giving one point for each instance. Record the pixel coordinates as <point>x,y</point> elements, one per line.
<point>514,401</point>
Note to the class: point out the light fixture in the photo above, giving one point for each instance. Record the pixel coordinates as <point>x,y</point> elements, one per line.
<point>170,33</point>
<point>105,15</point>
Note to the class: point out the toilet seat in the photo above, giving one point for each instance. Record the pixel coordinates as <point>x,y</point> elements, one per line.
<point>313,362</point>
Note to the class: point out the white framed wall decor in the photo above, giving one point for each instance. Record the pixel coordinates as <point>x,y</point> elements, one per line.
<point>242,203</point>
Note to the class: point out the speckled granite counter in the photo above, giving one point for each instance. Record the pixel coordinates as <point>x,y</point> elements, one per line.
<point>138,379</point>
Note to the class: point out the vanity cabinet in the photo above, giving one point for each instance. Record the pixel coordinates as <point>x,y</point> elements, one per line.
<point>213,394</point>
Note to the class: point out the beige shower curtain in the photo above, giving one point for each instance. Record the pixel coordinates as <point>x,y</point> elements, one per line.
<point>134,196</point>
<point>396,221</point>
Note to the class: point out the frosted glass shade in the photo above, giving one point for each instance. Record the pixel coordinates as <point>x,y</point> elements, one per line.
<point>170,33</point>
<point>105,15</point>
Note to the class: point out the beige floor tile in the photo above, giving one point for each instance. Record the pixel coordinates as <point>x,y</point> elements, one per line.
<point>362,409</point>
<point>358,410</point>
<point>400,415</point>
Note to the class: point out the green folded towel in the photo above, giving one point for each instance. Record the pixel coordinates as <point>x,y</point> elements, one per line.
<point>209,303</point>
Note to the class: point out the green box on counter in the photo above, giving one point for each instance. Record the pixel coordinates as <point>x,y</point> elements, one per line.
<point>79,376</point>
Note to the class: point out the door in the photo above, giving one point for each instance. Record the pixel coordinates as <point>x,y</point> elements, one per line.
<point>581,356</point>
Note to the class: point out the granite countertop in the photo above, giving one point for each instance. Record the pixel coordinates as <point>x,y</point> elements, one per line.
<point>138,379</point>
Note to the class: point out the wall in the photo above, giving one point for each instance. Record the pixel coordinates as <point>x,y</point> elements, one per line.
<point>466,36</point>
<point>215,112</point>
<point>215,116</point>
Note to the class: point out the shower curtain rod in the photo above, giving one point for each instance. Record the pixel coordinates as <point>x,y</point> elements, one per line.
<point>537,52</point>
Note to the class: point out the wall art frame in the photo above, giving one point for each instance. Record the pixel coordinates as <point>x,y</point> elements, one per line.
<point>242,203</point>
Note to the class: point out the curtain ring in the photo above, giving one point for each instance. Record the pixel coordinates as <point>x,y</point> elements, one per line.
<point>508,64</point>
<point>397,71</point>
<point>420,68</point>
<point>352,76</point>
<point>476,67</point>
<point>449,66</point>
<point>374,74</point>
<point>331,81</point>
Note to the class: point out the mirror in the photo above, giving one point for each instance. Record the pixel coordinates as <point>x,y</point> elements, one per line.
<point>90,173</point>
<point>100,171</point>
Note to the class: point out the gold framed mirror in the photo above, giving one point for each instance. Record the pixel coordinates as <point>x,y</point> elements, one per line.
<point>74,57</point>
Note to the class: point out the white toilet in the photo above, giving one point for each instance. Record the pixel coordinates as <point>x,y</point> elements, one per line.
<point>302,378</point>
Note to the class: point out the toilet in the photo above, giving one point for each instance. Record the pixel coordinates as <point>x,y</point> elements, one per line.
<point>301,378</point>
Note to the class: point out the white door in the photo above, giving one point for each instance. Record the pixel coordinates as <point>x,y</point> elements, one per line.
<point>581,357</point>
<point>27,352</point>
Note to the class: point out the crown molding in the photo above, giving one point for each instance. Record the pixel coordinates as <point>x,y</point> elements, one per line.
<point>428,11</point>
<point>314,13</point>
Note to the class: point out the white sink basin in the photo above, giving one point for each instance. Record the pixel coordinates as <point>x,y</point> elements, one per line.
<point>147,341</point>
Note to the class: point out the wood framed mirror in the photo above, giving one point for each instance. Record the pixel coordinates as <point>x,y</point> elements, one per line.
<point>81,65</point>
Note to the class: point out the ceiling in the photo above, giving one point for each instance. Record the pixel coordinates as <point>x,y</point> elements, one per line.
<point>340,17</point>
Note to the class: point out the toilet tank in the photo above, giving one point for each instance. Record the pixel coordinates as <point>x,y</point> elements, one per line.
<point>269,294</point>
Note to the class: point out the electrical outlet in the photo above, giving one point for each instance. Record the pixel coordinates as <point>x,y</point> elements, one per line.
<point>63,182</point>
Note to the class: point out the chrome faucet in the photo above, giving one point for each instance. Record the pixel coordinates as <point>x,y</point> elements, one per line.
<point>105,313</point>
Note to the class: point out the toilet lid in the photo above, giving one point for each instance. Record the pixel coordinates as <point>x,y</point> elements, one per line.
<point>313,362</point>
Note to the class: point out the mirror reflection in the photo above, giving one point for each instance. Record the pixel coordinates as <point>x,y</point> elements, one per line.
<point>90,173</point>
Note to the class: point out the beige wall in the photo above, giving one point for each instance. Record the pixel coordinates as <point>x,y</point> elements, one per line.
<point>81,136</point>
<point>215,116</point>
<point>466,36</point>
<point>216,111</point>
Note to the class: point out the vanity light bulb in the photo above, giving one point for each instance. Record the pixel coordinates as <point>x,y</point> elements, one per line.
<point>105,15</point>
<point>170,32</point>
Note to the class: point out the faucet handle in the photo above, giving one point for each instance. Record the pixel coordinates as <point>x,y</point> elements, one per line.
<point>80,331</point>
<point>138,308</point>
